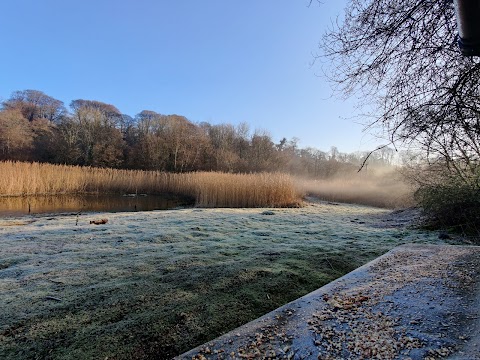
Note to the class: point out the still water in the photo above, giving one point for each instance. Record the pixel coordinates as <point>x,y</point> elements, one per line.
<point>17,206</point>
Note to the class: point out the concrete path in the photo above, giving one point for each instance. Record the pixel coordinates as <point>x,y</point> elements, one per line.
<point>415,302</point>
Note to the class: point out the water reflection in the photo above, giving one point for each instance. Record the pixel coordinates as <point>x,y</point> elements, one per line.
<point>15,206</point>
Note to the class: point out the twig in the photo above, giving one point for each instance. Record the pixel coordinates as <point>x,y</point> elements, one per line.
<point>329,263</point>
<point>369,154</point>
<point>56,281</point>
<point>52,298</point>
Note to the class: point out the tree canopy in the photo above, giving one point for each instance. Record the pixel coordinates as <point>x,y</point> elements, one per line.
<point>402,57</point>
<point>97,134</point>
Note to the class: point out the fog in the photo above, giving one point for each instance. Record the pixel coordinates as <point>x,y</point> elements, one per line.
<point>381,187</point>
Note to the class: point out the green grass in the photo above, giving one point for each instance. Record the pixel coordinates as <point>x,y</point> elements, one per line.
<point>153,285</point>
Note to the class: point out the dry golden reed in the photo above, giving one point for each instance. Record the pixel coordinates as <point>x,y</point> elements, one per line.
<point>210,189</point>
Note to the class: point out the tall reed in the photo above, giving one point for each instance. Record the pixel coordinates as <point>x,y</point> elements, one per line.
<point>210,189</point>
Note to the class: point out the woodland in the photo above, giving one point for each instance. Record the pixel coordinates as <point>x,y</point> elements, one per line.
<point>37,127</point>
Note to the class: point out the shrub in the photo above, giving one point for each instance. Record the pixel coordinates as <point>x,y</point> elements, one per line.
<point>452,202</point>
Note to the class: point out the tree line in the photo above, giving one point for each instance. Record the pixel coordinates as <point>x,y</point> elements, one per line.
<point>38,127</point>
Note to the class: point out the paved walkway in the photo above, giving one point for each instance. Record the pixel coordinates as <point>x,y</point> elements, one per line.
<point>415,302</point>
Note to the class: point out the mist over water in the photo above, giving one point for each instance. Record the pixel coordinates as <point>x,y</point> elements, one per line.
<point>382,187</point>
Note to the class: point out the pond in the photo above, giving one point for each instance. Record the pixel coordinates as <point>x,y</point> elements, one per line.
<point>24,205</point>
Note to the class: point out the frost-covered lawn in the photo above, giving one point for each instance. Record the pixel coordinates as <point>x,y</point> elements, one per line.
<point>154,284</point>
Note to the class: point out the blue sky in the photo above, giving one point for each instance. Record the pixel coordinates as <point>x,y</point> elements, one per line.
<point>220,61</point>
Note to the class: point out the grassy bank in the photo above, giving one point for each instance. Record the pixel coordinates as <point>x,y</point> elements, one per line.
<point>209,189</point>
<point>152,285</point>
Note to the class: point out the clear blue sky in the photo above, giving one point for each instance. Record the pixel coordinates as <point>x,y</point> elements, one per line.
<point>220,61</point>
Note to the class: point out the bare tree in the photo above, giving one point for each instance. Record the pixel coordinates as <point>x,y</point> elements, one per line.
<point>35,105</point>
<point>222,138</point>
<point>184,142</point>
<point>99,139</point>
<point>402,57</point>
<point>16,136</point>
<point>262,152</point>
<point>148,148</point>
<point>69,144</point>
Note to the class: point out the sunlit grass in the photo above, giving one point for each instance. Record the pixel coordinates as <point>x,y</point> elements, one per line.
<point>151,285</point>
<point>209,189</point>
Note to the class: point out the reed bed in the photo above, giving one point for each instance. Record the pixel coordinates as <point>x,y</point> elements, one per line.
<point>209,189</point>
<point>227,190</point>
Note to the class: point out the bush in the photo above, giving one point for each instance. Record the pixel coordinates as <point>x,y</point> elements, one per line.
<point>451,203</point>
